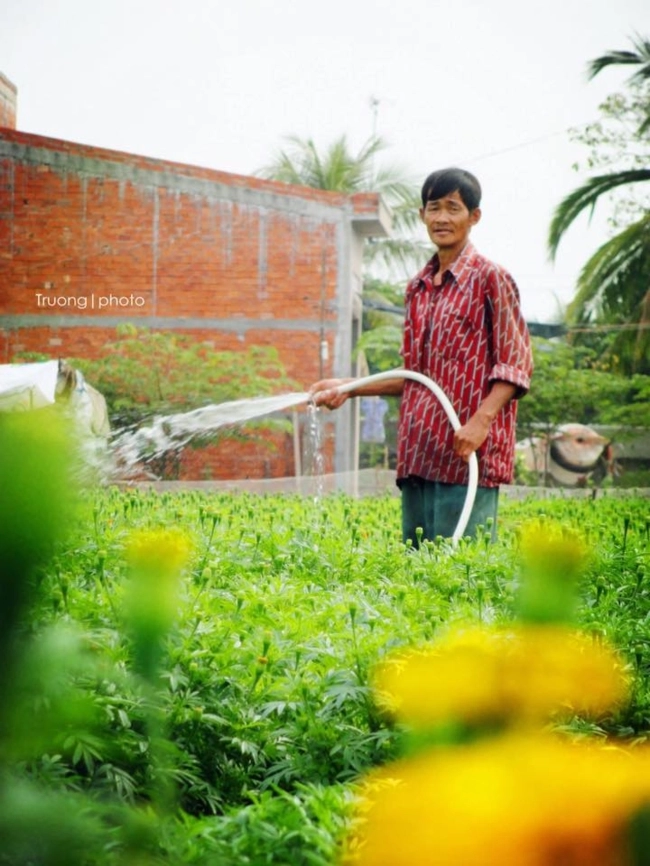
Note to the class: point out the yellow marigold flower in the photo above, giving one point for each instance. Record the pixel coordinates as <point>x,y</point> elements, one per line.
<point>476,675</point>
<point>156,559</point>
<point>511,801</point>
<point>552,560</point>
<point>548,545</point>
<point>159,551</point>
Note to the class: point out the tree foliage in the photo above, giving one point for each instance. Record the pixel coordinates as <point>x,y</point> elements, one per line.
<point>612,287</point>
<point>143,373</point>
<point>338,169</point>
<point>571,384</point>
<point>586,197</point>
<point>639,58</point>
<point>611,146</point>
<point>383,321</point>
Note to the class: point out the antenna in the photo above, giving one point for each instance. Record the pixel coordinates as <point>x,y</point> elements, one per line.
<point>374,107</point>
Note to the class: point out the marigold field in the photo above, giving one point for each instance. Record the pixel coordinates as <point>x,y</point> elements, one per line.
<point>200,678</point>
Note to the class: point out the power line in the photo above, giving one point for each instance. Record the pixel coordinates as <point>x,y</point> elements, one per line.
<point>537,329</point>
<point>526,143</point>
<point>640,326</point>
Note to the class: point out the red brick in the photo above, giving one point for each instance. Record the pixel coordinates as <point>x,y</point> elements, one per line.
<point>184,241</point>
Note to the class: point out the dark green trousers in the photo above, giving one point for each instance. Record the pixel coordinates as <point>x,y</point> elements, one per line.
<point>435,508</point>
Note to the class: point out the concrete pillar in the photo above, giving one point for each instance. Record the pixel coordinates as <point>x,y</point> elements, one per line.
<point>8,102</point>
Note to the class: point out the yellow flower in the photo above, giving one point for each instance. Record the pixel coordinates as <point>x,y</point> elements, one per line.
<point>158,551</point>
<point>552,560</point>
<point>156,559</point>
<point>511,801</point>
<point>546,545</point>
<point>477,675</point>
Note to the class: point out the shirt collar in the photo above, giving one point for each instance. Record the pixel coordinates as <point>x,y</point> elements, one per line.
<point>456,268</point>
<point>461,261</point>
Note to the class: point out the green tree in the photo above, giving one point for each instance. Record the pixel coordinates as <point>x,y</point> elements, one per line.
<point>143,374</point>
<point>339,169</point>
<point>572,384</point>
<point>380,343</point>
<point>640,58</point>
<point>612,289</point>
<point>383,323</point>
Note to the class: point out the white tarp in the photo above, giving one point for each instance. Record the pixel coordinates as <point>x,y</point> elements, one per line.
<point>27,386</point>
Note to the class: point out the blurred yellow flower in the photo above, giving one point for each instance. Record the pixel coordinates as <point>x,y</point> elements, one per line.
<point>509,801</point>
<point>545,544</point>
<point>159,551</point>
<point>552,560</point>
<point>524,673</point>
<point>156,559</point>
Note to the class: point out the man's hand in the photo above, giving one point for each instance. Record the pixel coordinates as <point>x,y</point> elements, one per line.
<point>326,393</point>
<point>471,436</point>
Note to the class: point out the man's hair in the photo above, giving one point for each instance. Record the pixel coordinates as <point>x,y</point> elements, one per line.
<point>447,180</point>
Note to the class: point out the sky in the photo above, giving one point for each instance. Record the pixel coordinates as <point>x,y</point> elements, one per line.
<point>489,85</point>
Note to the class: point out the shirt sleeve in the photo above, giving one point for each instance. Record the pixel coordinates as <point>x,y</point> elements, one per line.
<point>511,348</point>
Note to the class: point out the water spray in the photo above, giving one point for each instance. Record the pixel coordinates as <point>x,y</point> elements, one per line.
<point>176,431</point>
<point>472,483</point>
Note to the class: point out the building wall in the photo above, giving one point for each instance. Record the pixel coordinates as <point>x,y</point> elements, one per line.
<point>91,238</point>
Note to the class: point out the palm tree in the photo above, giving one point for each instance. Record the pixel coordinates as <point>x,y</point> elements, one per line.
<point>640,57</point>
<point>613,287</point>
<point>338,169</point>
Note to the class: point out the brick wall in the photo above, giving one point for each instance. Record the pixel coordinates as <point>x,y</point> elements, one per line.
<point>90,238</point>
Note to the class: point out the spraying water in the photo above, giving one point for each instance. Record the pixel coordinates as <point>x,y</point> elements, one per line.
<point>314,463</point>
<point>173,432</point>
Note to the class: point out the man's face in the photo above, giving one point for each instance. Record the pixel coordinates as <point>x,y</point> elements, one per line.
<point>448,221</point>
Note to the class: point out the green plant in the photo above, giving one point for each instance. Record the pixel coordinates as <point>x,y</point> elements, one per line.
<point>230,726</point>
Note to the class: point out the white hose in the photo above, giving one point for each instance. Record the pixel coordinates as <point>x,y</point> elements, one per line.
<point>472,483</point>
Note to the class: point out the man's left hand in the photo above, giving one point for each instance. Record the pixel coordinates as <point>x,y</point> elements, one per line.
<point>470,437</point>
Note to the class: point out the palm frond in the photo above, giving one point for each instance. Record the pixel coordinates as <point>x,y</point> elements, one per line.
<point>586,197</point>
<point>397,254</point>
<point>624,259</point>
<point>642,341</point>
<point>312,166</point>
<point>339,169</point>
<point>639,57</point>
<point>612,58</point>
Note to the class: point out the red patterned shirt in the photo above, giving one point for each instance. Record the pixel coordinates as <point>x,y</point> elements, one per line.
<point>465,334</point>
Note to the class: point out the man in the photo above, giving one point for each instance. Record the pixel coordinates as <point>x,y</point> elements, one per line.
<point>463,329</point>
